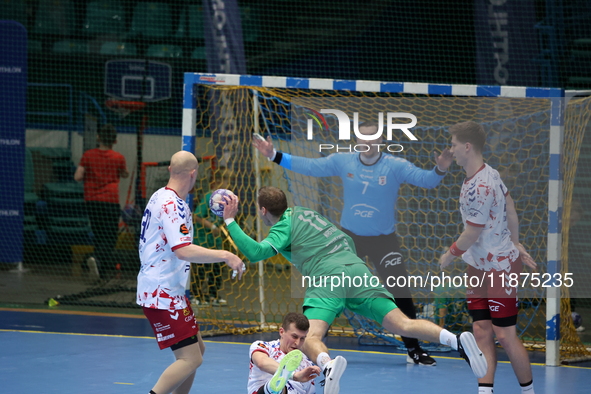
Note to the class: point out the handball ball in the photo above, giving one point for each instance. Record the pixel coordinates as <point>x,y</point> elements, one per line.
<point>217,202</point>
<point>577,319</point>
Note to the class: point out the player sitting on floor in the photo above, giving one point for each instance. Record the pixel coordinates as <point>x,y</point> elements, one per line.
<point>279,367</point>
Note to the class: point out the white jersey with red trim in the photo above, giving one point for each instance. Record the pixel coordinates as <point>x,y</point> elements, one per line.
<point>167,225</point>
<point>483,203</point>
<point>257,378</point>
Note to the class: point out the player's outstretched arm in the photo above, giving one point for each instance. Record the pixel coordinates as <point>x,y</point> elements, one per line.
<point>443,160</point>
<point>307,374</point>
<point>264,146</point>
<point>253,250</point>
<point>201,255</point>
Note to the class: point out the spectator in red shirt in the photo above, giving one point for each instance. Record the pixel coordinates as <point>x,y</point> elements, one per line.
<point>100,169</point>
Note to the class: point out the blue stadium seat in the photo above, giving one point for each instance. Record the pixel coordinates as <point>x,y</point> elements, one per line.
<point>250,24</point>
<point>164,50</point>
<point>54,17</point>
<point>199,53</point>
<point>195,23</point>
<point>118,48</point>
<point>151,20</point>
<point>104,17</point>
<point>70,46</point>
<point>14,10</point>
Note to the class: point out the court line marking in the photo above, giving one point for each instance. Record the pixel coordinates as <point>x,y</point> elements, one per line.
<point>248,344</point>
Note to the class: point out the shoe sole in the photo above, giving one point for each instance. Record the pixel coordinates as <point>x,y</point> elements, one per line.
<point>409,360</point>
<point>477,359</point>
<point>332,385</point>
<point>288,365</point>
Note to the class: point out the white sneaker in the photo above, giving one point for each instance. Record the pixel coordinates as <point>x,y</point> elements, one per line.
<point>287,366</point>
<point>221,301</point>
<point>472,354</point>
<point>332,374</point>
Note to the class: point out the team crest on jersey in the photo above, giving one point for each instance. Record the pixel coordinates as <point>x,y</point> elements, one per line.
<point>382,180</point>
<point>183,229</point>
<point>350,175</point>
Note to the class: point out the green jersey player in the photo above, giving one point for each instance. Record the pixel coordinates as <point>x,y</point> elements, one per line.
<point>320,250</point>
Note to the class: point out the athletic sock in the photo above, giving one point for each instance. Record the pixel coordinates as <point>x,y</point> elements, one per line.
<point>527,388</point>
<point>449,339</point>
<point>485,388</point>
<point>322,359</point>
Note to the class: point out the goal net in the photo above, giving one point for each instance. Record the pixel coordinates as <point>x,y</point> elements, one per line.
<point>525,132</point>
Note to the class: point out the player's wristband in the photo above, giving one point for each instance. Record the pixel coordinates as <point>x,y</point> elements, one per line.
<point>228,221</point>
<point>438,171</point>
<point>272,158</point>
<point>453,249</point>
<point>277,157</point>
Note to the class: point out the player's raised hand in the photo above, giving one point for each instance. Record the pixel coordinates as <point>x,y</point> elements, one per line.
<point>264,146</point>
<point>231,207</point>
<point>307,374</point>
<point>443,160</point>
<point>526,257</point>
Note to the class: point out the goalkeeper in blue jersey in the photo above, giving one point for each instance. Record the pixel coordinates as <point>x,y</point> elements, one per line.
<point>371,181</point>
<point>319,250</point>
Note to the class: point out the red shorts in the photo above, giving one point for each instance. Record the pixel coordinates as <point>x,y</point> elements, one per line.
<point>494,293</point>
<point>170,328</point>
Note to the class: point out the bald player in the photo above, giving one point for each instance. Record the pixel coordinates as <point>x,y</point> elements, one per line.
<point>166,250</point>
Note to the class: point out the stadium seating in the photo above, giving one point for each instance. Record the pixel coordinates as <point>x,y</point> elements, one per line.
<point>14,10</point>
<point>55,17</point>
<point>151,20</point>
<point>118,48</point>
<point>70,46</point>
<point>164,50</point>
<point>104,17</point>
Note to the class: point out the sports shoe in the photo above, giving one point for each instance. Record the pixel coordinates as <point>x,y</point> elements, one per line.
<point>287,367</point>
<point>472,354</point>
<point>332,374</point>
<point>420,357</point>
<point>219,302</point>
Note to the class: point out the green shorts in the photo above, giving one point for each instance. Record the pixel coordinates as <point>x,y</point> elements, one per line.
<point>346,286</point>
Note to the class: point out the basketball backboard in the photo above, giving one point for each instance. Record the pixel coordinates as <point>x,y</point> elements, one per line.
<point>137,80</point>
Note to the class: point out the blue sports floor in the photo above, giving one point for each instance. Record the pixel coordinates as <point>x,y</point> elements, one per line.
<point>86,352</point>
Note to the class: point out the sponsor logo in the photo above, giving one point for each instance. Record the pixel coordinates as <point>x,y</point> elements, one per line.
<point>161,338</point>
<point>364,210</point>
<point>183,229</point>
<point>391,259</point>
<point>349,175</point>
<point>381,180</point>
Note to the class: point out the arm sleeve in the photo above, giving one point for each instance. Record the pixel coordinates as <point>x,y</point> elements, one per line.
<point>253,250</point>
<point>416,176</point>
<point>173,216</point>
<point>480,200</point>
<point>258,346</point>
<point>324,166</point>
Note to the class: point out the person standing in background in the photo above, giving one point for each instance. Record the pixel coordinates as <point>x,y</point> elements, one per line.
<point>101,169</point>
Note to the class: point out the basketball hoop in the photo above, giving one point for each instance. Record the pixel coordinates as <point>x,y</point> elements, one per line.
<point>123,107</point>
